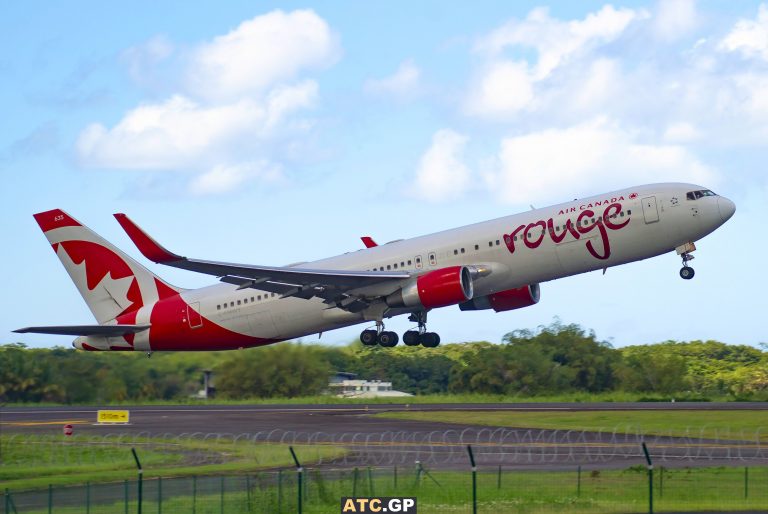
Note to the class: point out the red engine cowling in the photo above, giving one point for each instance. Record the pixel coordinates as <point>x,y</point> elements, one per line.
<point>505,300</point>
<point>439,288</point>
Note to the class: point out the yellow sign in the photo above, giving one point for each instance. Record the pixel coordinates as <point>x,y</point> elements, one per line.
<point>112,416</point>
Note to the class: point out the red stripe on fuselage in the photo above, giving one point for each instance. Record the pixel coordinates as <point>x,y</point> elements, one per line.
<point>171,331</point>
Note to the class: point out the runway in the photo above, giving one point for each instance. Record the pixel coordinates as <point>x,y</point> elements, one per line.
<point>236,419</point>
<point>374,440</point>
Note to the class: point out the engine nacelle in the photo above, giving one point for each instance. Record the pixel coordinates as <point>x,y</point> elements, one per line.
<point>439,288</point>
<point>505,300</point>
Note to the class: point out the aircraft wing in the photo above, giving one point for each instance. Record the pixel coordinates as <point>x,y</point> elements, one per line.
<point>85,330</point>
<point>287,281</point>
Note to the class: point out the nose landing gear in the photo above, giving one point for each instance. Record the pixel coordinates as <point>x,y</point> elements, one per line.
<point>686,272</point>
<point>684,251</point>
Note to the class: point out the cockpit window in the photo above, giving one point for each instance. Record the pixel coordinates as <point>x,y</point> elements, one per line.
<point>695,195</point>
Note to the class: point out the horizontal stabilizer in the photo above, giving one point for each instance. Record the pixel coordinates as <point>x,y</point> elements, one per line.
<point>85,330</point>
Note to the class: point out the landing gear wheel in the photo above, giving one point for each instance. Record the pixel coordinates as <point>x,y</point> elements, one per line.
<point>687,273</point>
<point>388,339</point>
<point>369,337</point>
<point>411,338</point>
<point>430,340</point>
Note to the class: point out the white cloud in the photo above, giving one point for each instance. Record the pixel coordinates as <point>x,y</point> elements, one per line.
<point>681,132</point>
<point>555,40</point>
<point>142,60</point>
<point>505,86</point>
<point>241,95</point>
<point>225,178</point>
<point>597,155</point>
<point>267,49</point>
<point>675,18</point>
<point>403,83</point>
<point>442,174</point>
<point>181,133</point>
<point>749,37</point>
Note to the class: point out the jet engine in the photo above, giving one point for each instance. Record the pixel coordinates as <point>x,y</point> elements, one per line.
<point>439,288</point>
<point>505,300</point>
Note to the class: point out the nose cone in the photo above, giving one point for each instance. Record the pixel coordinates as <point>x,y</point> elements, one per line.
<point>726,208</point>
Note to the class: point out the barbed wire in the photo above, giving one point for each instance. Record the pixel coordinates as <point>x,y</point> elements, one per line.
<point>442,448</point>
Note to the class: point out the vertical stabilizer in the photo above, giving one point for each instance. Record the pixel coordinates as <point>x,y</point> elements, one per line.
<point>112,283</point>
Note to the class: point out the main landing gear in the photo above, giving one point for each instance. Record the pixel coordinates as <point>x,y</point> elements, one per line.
<point>686,272</point>
<point>379,336</point>
<point>410,338</point>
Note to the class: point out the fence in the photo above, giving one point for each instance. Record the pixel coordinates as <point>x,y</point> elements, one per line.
<point>518,470</point>
<point>499,490</point>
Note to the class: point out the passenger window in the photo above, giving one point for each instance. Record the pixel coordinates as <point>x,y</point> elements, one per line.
<point>381,268</point>
<point>259,297</point>
<point>409,262</point>
<point>629,213</point>
<point>218,307</point>
<point>252,300</point>
<point>245,300</point>
<point>231,304</point>
<point>462,250</point>
<point>418,260</point>
<point>395,265</point>
<point>490,243</point>
<point>402,264</point>
<point>477,247</point>
<point>389,267</point>
<point>622,214</point>
<point>455,252</point>
<point>497,242</point>
<point>238,302</point>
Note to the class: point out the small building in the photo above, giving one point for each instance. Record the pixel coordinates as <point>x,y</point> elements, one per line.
<point>349,388</point>
<point>208,391</point>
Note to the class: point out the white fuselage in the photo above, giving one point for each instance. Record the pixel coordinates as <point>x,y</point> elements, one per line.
<point>521,249</point>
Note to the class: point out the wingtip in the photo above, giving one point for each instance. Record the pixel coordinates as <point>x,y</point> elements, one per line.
<point>368,242</point>
<point>148,247</point>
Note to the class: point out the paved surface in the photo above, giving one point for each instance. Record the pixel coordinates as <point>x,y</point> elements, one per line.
<point>235,419</point>
<point>380,441</point>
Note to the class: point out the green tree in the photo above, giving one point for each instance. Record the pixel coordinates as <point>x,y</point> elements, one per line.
<point>284,370</point>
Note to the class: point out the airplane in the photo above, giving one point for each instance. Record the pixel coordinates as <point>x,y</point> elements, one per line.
<point>496,264</point>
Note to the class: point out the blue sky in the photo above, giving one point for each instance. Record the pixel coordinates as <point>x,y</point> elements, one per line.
<point>272,133</point>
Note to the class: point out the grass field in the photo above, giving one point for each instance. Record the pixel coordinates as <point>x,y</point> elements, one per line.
<point>35,462</point>
<point>742,424</point>
<point>700,489</point>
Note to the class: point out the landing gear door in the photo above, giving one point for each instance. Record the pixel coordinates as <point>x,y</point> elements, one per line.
<point>650,209</point>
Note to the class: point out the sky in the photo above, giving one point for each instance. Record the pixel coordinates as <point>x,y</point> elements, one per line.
<point>270,133</point>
